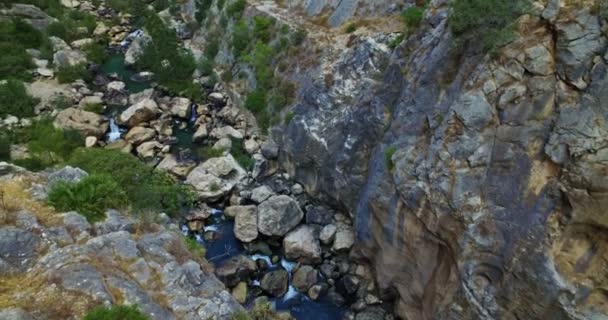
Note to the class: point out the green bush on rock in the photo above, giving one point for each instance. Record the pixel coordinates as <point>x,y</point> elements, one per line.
<point>91,197</point>
<point>15,100</point>
<point>69,74</point>
<point>490,22</point>
<point>146,188</point>
<point>115,313</point>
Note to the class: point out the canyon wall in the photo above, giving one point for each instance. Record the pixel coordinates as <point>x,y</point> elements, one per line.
<point>477,184</point>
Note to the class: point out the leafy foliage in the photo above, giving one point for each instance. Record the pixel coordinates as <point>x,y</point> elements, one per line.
<point>412,16</point>
<point>90,197</point>
<point>489,22</point>
<point>15,37</point>
<point>172,65</point>
<point>69,74</point>
<point>146,188</point>
<point>262,28</point>
<point>388,157</point>
<point>15,100</point>
<point>115,313</point>
<point>236,9</point>
<point>240,155</point>
<point>194,247</point>
<point>95,52</point>
<point>351,27</point>
<point>240,38</point>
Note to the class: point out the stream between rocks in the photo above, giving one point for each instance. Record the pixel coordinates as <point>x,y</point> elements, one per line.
<point>325,285</point>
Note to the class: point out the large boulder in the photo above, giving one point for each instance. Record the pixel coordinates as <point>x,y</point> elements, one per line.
<point>275,282</point>
<point>180,107</point>
<point>88,123</point>
<point>142,111</point>
<point>216,177</point>
<point>235,270</point>
<point>278,215</point>
<point>68,58</point>
<point>179,168</point>
<point>304,278</point>
<point>138,135</point>
<point>245,223</point>
<point>302,245</point>
<point>17,249</point>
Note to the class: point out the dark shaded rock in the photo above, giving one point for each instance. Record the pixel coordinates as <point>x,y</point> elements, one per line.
<point>17,249</point>
<point>319,215</point>
<point>276,282</point>
<point>304,278</point>
<point>235,270</point>
<point>278,215</point>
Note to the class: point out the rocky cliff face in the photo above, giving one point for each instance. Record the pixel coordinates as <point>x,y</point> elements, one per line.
<point>477,184</point>
<point>58,266</point>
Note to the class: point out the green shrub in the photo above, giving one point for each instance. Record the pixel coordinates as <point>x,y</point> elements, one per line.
<point>256,101</point>
<point>209,152</point>
<point>236,9</point>
<point>115,313</point>
<point>90,197</point>
<point>146,188</point>
<point>194,247</point>
<point>212,48</point>
<point>220,4</point>
<point>62,102</point>
<point>388,157</point>
<point>5,146</point>
<point>397,41</point>
<point>16,36</point>
<point>240,155</point>
<point>351,27</point>
<point>15,100</point>
<point>94,107</point>
<point>48,145</point>
<point>262,28</point>
<point>240,38</point>
<point>69,74</point>
<point>203,7</point>
<point>289,116</point>
<point>412,16</point>
<point>57,29</point>
<point>298,37</point>
<point>95,52</point>
<point>172,65</point>
<point>489,22</point>
<point>205,66</point>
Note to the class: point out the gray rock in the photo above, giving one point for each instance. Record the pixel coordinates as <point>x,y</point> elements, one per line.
<point>344,240</point>
<point>138,135</point>
<point>235,270</point>
<point>301,245</point>
<point>246,223</point>
<point>275,283</point>
<point>278,215</point>
<point>327,234</point>
<point>216,177</point>
<point>14,314</point>
<point>85,279</point>
<point>69,58</point>
<point>180,107</point>
<point>66,174</point>
<point>270,150</point>
<point>76,223</point>
<point>114,222</point>
<point>115,244</point>
<point>142,111</point>
<point>17,248</point>
<point>304,278</point>
<point>261,194</point>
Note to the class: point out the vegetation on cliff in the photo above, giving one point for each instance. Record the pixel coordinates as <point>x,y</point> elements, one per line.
<point>487,22</point>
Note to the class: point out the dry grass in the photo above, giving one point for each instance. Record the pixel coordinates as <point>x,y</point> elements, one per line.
<point>15,197</point>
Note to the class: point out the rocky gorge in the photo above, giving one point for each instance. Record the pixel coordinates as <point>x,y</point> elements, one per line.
<point>390,174</point>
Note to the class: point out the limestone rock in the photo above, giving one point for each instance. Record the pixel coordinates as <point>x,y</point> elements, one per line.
<point>171,164</point>
<point>138,135</point>
<point>216,177</point>
<point>246,223</point>
<point>301,244</point>
<point>149,149</point>
<point>143,111</point>
<point>89,123</point>
<point>278,215</point>
<point>235,270</point>
<point>261,194</point>
<point>180,107</point>
<point>304,278</point>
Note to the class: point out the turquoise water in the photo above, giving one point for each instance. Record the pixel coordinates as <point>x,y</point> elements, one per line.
<point>116,64</point>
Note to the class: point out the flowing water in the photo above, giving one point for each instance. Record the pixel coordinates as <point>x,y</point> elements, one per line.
<point>116,65</point>
<point>225,245</point>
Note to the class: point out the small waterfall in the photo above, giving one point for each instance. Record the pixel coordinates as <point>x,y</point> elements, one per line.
<point>256,256</point>
<point>287,265</point>
<point>193,114</point>
<point>291,293</point>
<point>115,131</point>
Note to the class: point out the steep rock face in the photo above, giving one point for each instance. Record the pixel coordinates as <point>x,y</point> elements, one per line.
<point>476,184</point>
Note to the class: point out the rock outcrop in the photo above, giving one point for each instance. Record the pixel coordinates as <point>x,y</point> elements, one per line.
<point>58,265</point>
<point>476,183</point>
